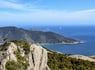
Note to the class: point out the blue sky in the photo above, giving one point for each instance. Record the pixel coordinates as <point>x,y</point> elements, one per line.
<point>47,12</point>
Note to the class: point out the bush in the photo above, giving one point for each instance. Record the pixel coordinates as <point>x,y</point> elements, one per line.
<point>11,65</point>
<point>21,60</point>
<point>4,46</point>
<point>23,44</point>
<point>26,48</point>
<point>58,61</point>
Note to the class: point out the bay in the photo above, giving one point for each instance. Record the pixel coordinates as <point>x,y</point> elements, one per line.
<point>82,33</point>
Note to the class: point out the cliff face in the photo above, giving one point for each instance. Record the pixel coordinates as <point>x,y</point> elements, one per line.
<point>23,57</point>
<point>6,55</point>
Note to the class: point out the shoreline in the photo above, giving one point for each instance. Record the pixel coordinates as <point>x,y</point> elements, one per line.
<point>77,42</point>
<point>81,42</point>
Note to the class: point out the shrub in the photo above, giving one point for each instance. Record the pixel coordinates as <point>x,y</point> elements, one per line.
<point>23,44</point>
<point>58,61</point>
<point>11,65</point>
<point>21,60</point>
<point>4,46</point>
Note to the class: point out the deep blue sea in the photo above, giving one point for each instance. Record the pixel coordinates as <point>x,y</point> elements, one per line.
<point>82,33</point>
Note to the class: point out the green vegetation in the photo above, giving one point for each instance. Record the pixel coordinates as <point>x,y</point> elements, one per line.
<point>21,63</point>
<point>11,65</point>
<point>21,60</point>
<point>26,48</point>
<point>23,44</point>
<point>58,61</point>
<point>4,46</point>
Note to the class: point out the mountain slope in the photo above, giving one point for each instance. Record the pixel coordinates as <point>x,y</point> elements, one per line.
<point>58,61</point>
<point>13,33</point>
<point>20,55</point>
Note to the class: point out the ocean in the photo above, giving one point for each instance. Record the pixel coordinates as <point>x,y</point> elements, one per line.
<point>82,33</point>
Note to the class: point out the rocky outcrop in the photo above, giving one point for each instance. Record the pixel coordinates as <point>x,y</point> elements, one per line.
<point>36,57</point>
<point>7,54</point>
<point>83,57</point>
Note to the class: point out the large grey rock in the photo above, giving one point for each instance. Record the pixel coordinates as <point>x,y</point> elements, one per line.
<point>37,57</point>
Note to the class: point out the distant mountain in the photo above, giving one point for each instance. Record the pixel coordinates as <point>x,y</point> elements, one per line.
<point>14,33</point>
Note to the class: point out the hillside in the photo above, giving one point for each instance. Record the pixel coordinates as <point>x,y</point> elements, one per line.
<point>58,61</point>
<point>13,33</point>
<point>21,55</point>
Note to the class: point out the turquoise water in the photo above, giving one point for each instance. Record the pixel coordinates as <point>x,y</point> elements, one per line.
<point>84,33</point>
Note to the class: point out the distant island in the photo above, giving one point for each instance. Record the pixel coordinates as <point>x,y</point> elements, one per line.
<point>14,33</point>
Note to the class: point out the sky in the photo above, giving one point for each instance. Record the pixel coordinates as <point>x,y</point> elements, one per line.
<point>47,12</point>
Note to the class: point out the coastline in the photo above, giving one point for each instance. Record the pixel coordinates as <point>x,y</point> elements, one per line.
<point>64,43</point>
<point>83,57</point>
<point>77,56</point>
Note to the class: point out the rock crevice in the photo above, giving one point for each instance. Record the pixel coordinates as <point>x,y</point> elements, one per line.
<point>36,58</point>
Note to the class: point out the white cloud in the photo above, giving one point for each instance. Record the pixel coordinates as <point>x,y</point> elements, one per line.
<point>55,16</point>
<point>84,15</point>
<point>31,14</point>
<point>11,0</point>
<point>11,4</point>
